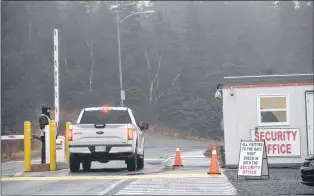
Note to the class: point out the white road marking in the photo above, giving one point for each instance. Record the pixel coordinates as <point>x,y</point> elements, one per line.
<point>11,162</point>
<point>183,186</point>
<point>111,187</point>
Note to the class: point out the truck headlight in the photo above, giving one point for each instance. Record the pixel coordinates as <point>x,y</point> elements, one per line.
<point>312,163</point>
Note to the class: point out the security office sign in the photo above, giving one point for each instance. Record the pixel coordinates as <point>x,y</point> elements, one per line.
<point>279,142</point>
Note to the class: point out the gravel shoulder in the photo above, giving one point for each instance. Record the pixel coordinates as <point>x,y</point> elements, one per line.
<point>280,182</point>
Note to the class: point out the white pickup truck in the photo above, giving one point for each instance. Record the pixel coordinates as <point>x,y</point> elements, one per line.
<point>106,133</point>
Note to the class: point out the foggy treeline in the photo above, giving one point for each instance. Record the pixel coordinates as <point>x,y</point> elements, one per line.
<point>172,59</point>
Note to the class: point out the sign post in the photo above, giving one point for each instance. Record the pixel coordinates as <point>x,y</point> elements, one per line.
<point>253,159</point>
<point>56,75</point>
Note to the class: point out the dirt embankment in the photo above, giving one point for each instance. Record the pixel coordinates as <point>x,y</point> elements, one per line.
<point>12,150</point>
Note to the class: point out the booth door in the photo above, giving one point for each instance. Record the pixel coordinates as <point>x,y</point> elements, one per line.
<point>309,121</point>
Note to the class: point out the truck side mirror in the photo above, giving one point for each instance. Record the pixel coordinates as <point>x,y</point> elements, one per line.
<point>144,126</point>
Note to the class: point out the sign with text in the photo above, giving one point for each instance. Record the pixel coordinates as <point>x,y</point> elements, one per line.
<point>279,142</point>
<point>251,158</point>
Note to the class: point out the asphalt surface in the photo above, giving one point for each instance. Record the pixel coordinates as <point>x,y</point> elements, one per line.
<point>281,182</point>
<point>157,147</point>
<point>14,167</point>
<point>112,177</point>
<point>157,177</point>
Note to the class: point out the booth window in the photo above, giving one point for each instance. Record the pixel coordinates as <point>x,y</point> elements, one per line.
<point>273,110</point>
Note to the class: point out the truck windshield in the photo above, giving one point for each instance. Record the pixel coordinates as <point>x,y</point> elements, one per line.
<point>108,117</point>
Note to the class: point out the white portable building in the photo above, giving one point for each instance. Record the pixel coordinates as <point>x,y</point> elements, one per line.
<point>274,108</point>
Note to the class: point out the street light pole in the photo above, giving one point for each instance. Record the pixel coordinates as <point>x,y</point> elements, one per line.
<point>119,56</point>
<point>122,96</point>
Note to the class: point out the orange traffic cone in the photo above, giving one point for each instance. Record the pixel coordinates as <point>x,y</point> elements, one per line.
<point>214,167</point>
<point>177,160</point>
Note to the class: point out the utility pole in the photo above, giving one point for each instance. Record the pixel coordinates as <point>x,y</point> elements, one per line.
<point>122,92</point>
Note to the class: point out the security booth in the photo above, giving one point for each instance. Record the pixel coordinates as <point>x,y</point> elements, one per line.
<point>274,108</point>
<point>57,152</point>
<point>60,147</point>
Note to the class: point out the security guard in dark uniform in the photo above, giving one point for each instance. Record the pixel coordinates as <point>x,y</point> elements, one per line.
<point>43,121</point>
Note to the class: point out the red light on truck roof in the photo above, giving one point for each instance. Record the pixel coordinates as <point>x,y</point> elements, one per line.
<point>105,108</point>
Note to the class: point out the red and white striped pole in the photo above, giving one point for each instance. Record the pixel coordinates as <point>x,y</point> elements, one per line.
<point>12,137</point>
<point>56,75</point>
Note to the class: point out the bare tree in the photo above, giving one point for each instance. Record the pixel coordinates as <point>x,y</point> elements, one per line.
<point>29,34</point>
<point>168,89</point>
<point>71,73</point>
<point>153,82</point>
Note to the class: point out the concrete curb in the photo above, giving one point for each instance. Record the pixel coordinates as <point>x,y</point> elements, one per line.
<point>188,161</point>
<point>46,167</point>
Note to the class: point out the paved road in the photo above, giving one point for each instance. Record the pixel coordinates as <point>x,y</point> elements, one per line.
<point>113,178</point>
<point>157,148</point>
<point>158,176</point>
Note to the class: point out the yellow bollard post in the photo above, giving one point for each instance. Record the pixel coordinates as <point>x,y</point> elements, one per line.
<point>27,146</point>
<point>53,164</point>
<point>67,153</point>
